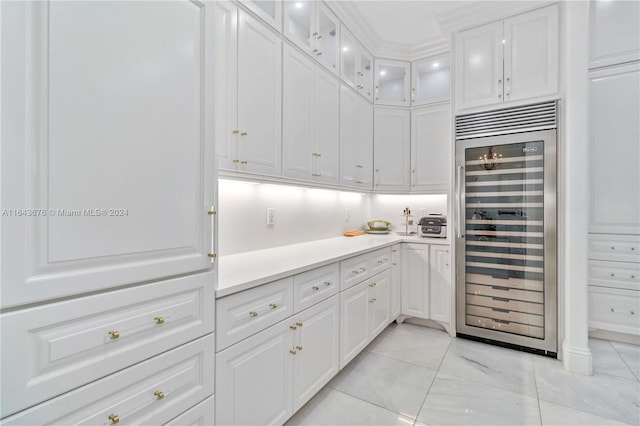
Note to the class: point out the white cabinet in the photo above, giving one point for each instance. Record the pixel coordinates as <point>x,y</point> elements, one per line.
<point>615,132</point>
<point>356,65</point>
<point>312,26</point>
<point>310,120</point>
<point>269,11</point>
<point>396,281</point>
<point>415,282</point>
<point>431,147</point>
<point>431,79</point>
<point>391,142</point>
<point>110,183</point>
<point>356,140</point>
<point>508,60</point>
<point>379,303</point>
<point>614,32</point>
<point>440,284</point>
<point>248,103</point>
<point>391,82</point>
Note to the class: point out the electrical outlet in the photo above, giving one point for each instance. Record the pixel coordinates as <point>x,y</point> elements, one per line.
<point>271,213</point>
<point>346,214</point>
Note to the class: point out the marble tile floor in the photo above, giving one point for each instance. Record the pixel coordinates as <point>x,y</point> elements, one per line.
<point>414,375</point>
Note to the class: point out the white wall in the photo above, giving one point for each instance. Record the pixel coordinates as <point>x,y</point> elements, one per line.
<point>391,206</point>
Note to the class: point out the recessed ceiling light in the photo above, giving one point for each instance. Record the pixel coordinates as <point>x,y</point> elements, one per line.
<point>299,5</point>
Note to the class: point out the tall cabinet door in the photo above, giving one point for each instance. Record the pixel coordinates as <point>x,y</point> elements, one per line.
<point>531,54</point>
<point>440,284</point>
<point>391,149</point>
<point>431,147</point>
<point>106,162</point>
<point>327,126</point>
<point>356,140</point>
<point>379,303</point>
<point>364,123</point>
<point>259,97</point>
<point>354,331</point>
<point>415,282</point>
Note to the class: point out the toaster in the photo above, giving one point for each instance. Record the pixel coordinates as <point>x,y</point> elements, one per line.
<point>434,226</point>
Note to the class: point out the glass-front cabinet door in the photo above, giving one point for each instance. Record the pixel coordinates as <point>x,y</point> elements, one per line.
<point>269,10</point>
<point>391,83</point>
<point>366,74</point>
<point>327,38</point>
<point>298,22</point>
<point>348,56</point>
<point>431,80</point>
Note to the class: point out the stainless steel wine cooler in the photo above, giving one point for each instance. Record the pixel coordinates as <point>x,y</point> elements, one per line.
<point>506,226</point>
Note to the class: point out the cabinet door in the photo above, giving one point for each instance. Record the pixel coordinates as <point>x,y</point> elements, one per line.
<point>415,283</point>
<point>327,127</point>
<point>365,73</point>
<point>327,38</point>
<point>259,97</point>
<point>354,332</point>
<point>379,303</point>
<point>348,58</point>
<point>431,79</point>
<point>478,74</point>
<point>531,54</point>
<point>299,21</point>
<point>614,31</point>
<point>615,131</point>
<point>298,136</point>
<point>396,281</point>
<point>431,147</point>
<point>364,123</point>
<point>254,379</point>
<point>391,83</point>
<point>391,149</point>
<point>268,10</point>
<point>317,342</point>
<point>440,284</point>
<point>122,177</point>
<point>348,136</point>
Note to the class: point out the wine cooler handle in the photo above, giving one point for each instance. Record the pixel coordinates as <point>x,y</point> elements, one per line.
<point>461,195</point>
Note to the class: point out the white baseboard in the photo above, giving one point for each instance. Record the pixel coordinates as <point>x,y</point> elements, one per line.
<point>615,336</point>
<point>577,359</point>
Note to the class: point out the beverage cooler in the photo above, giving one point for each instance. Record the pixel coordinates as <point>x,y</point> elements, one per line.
<point>506,227</point>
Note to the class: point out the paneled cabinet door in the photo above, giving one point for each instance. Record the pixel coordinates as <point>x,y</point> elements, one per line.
<point>396,281</point>
<point>354,330</point>
<point>415,283</point>
<point>110,179</point>
<point>431,80</point>
<point>317,346</point>
<point>356,65</point>
<point>614,32</point>
<point>356,140</point>
<point>431,147</point>
<point>391,150</point>
<point>268,10</point>
<point>440,284</point>
<point>327,134</point>
<point>392,82</point>
<point>254,379</point>
<point>379,303</point>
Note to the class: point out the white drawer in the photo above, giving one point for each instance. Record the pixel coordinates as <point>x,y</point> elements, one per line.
<point>200,415</point>
<point>623,275</point>
<point>614,310</point>
<point>242,314</point>
<point>314,286</point>
<point>380,260</point>
<point>61,346</point>
<point>354,270</point>
<point>152,392</point>
<point>621,248</point>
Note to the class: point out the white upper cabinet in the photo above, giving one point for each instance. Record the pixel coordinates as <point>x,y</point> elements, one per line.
<point>391,149</point>
<point>431,80</point>
<point>268,10</point>
<point>248,103</point>
<point>431,147</point>
<point>508,60</point>
<point>311,117</point>
<point>392,82</point>
<point>312,26</point>
<point>107,148</point>
<point>356,65</point>
<point>615,33</point>
<point>356,140</point>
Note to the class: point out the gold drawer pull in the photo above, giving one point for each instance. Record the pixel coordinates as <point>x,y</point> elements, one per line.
<point>235,132</point>
<point>293,327</point>
<point>114,335</point>
<point>394,264</point>
<point>299,348</point>
<point>371,301</point>
<point>372,285</point>
<point>159,320</point>
<point>273,306</point>
<point>253,314</point>
<point>299,324</point>
<point>374,299</point>
<point>315,287</point>
<point>292,352</point>
<point>244,162</point>
<point>159,394</point>
<point>114,419</point>
<point>327,283</point>
<point>243,134</point>
<point>236,161</point>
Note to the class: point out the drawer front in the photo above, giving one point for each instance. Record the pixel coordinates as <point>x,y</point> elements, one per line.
<point>614,274</point>
<point>614,310</point>
<point>200,415</point>
<point>314,286</point>
<point>354,270</point>
<point>63,345</point>
<point>244,314</point>
<point>380,260</point>
<point>152,392</point>
<point>621,248</point>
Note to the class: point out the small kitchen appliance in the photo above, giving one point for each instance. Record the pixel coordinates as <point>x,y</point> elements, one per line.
<point>433,226</point>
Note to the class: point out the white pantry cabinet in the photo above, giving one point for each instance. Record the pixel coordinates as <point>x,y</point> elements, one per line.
<point>311,120</point>
<point>356,140</point>
<point>614,32</point>
<point>356,65</point>
<point>431,79</point>
<point>391,149</point>
<point>248,103</point>
<point>315,29</point>
<point>431,147</point>
<point>508,60</point>
<point>392,82</point>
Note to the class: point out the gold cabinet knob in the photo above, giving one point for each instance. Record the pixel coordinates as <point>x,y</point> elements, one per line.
<point>159,320</point>
<point>244,162</point>
<point>327,283</point>
<point>235,132</point>
<point>293,327</point>
<point>315,287</point>
<point>394,264</point>
<point>273,306</point>
<point>114,334</point>
<point>243,134</point>
<point>299,348</point>
<point>292,352</point>
<point>159,394</point>
<point>114,419</point>
<point>372,285</point>
<point>253,314</point>
<point>299,324</point>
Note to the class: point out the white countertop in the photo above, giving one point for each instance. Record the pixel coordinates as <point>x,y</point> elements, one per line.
<point>242,271</point>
